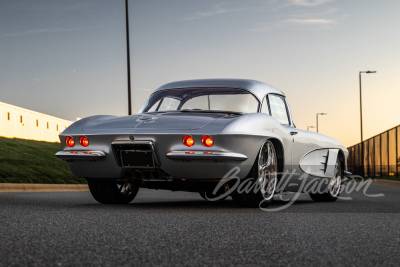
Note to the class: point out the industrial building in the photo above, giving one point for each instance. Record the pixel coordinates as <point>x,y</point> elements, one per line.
<point>17,122</point>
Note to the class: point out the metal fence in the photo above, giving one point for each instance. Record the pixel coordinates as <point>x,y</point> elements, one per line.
<point>380,156</point>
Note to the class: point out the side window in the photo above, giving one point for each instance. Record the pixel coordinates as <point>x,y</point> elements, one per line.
<point>264,108</point>
<point>278,109</point>
<point>153,108</point>
<point>169,103</point>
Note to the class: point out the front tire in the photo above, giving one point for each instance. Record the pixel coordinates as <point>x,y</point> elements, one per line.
<point>112,192</point>
<point>334,187</point>
<point>262,180</point>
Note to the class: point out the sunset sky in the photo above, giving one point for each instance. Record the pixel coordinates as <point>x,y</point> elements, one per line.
<point>67,58</point>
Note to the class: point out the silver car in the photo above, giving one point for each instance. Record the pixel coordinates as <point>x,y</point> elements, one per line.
<point>206,136</point>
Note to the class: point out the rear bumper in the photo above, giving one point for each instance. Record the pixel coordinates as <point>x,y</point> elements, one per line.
<point>174,155</point>
<point>198,165</point>
<point>201,155</point>
<point>80,155</point>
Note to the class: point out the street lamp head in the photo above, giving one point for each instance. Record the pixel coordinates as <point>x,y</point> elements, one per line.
<point>368,71</point>
<point>322,113</point>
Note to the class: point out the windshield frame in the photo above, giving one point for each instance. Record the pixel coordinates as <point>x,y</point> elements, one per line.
<point>147,107</point>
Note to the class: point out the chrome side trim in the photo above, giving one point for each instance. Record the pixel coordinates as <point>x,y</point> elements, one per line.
<point>152,145</point>
<point>203,155</point>
<point>324,164</point>
<point>80,155</point>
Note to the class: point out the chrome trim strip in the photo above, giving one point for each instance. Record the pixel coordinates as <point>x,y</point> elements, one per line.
<point>80,155</point>
<point>151,143</point>
<point>320,148</point>
<point>127,142</point>
<point>203,155</point>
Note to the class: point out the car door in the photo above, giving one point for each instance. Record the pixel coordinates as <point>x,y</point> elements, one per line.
<point>301,142</point>
<point>277,109</point>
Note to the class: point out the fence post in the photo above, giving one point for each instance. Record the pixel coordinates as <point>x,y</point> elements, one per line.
<point>366,145</point>
<point>380,152</point>
<point>397,152</point>
<point>362,160</point>
<point>387,158</point>
<point>373,157</point>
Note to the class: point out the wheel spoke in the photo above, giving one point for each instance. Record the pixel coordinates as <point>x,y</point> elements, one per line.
<point>268,160</point>
<point>336,181</point>
<point>265,165</point>
<point>267,171</point>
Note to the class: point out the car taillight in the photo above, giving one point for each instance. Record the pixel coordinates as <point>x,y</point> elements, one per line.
<point>188,141</point>
<point>83,141</point>
<point>207,141</point>
<point>70,141</point>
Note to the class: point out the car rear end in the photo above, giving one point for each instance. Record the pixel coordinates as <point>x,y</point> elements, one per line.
<point>159,156</point>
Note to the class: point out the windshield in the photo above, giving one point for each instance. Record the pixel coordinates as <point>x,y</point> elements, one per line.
<point>204,99</point>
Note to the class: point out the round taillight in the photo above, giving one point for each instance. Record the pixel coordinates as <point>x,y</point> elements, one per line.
<point>70,141</point>
<point>188,141</point>
<point>83,141</point>
<point>207,141</point>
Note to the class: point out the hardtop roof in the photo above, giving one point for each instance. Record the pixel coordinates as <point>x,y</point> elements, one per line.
<point>259,89</point>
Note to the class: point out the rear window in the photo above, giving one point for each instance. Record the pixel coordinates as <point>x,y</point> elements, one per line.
<point>213,99</point>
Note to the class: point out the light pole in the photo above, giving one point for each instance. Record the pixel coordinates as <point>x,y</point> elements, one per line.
<point>128,58</point>
<point>308,127</point>
<point>317,118</point>
<point>361,120</point>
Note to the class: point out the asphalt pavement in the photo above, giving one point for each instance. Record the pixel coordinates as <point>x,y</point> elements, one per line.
<point>179,228</point>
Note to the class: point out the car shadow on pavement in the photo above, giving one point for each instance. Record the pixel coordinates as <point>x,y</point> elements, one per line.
<point>188,204</point>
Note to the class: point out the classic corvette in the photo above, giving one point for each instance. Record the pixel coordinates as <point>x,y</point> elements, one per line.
<point>192,135</point>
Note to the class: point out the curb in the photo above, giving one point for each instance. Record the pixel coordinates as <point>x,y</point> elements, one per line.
<point>9,187</point>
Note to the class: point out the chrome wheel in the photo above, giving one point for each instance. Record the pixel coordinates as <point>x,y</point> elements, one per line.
<point>336,182</point>
<point>267,170</point>
<point>334,186</point>
<point>261,180</point>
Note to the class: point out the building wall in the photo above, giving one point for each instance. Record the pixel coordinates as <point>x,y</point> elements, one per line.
<point>27,124</point>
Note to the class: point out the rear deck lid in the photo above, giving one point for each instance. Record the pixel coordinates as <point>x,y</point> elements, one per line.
<point>167,121</point>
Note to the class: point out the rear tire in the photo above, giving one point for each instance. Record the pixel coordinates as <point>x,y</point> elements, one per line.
<point>262,180</point>
<point>334,187</point>
<point>112,192</point>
